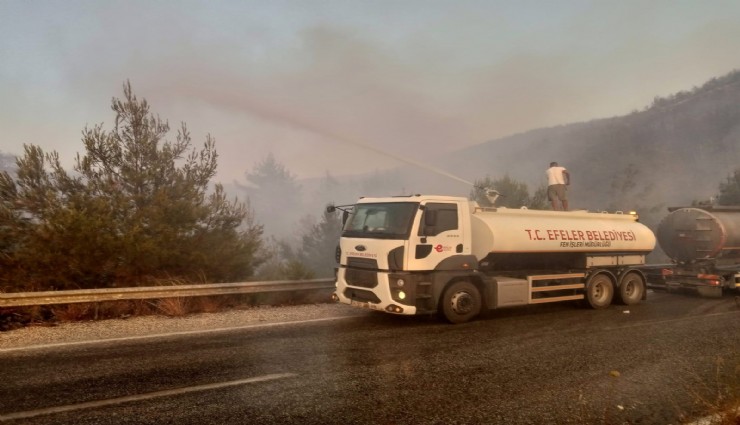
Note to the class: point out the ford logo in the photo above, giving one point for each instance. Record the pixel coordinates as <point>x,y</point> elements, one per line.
<point>360,248</point>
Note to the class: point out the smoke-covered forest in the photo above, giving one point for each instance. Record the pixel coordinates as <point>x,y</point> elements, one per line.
<point>674,152</point>
<point>142,206</point>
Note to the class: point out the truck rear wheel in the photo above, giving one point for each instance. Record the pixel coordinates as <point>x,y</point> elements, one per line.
<point>599,291</point>
<point>631,288</point>
<point>461,301</point>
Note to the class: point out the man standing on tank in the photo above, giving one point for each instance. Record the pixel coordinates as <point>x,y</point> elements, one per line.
<point>558,179</point>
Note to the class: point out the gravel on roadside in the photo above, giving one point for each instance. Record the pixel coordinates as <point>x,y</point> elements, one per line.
<point>155,325</point>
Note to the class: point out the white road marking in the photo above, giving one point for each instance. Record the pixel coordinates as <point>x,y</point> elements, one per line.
<point>180,333</point>
<point>139,397</point>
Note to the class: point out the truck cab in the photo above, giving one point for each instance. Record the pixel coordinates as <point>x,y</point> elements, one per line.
<point>390,245</point>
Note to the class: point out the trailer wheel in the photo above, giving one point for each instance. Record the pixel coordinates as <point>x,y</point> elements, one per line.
<point>631,288</point>
<point>599,291</point>
<point>461,302</point>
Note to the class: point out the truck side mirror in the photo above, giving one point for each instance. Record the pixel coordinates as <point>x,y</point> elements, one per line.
<point>345,216</point>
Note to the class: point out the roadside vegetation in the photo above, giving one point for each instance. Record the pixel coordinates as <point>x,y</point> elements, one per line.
<point>716,400</point>
<point>18,317</point>
<point>721,398</point>
<point>140,208</point>
<point>136,208</point>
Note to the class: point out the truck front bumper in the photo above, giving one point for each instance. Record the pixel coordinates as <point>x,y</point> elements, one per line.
<point>380,297</point>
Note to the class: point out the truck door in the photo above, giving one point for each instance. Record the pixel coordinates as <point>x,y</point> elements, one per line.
<point>439,236</point>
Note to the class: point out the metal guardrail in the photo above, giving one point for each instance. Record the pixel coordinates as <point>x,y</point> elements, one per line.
<point>20,299</point>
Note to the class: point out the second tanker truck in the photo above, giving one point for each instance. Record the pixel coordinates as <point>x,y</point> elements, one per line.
<point>425,254</point>
<point>704,246</point>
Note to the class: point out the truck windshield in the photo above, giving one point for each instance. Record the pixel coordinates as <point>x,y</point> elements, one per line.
<point>390,220</point>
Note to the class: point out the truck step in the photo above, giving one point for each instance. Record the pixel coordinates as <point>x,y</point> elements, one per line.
<point>558,287</point>
<point>556,299</point>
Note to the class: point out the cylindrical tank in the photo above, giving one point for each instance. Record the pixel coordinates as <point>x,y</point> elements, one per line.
<point>688,234</point>
<point>522,231</point>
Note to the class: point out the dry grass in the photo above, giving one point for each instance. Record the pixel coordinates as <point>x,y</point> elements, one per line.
<point>142,308</point>
<point>719,399</point>
<point>114,309</point>
<point>93,311</point>
<point>73,312</point>
<point>38,314</point>
<point>207,304</point>
<point>173,307</point>
<point>716,400</point>
<point>289,298</point>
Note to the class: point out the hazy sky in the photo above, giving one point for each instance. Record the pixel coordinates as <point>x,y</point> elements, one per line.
<point>307,79</point>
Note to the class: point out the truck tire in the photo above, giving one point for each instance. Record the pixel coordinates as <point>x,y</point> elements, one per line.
<point>599,291</point>
<point>461,302</point>
<point>631,288</point>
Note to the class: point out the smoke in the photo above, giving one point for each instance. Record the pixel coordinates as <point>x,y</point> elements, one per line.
<point>311,85</point>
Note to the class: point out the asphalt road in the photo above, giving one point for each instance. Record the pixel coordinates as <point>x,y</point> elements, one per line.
<point>645,364</point>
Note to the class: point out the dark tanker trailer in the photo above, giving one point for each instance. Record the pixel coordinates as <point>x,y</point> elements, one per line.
<point>703,244</point>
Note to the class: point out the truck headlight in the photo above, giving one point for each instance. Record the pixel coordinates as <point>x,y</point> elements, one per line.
<point>401,295</point>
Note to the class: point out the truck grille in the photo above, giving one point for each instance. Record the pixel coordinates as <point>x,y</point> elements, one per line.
<point>361,272</point>
<point>362,263</point>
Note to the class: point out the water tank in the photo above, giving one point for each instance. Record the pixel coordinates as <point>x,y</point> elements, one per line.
<point>687,234</point>
<point>520,231</point>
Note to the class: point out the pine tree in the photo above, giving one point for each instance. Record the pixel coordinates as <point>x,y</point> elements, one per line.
<point>729,191</point>
<point>276,195</point>
<point>136,208</point>
<point>319,244</point>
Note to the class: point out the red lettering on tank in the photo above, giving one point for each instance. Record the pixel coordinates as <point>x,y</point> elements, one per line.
<point>579,235</point>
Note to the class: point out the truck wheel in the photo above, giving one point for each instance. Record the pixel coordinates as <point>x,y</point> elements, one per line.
<point>631,288</point>
<point>461,302</point>
<point>599,291</point>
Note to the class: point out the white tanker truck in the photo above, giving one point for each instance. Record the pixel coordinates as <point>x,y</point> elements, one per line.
<point>439,254</point>
<point>704,245</point>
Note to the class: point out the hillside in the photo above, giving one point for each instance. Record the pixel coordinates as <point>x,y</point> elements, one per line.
<point>675,151</point>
